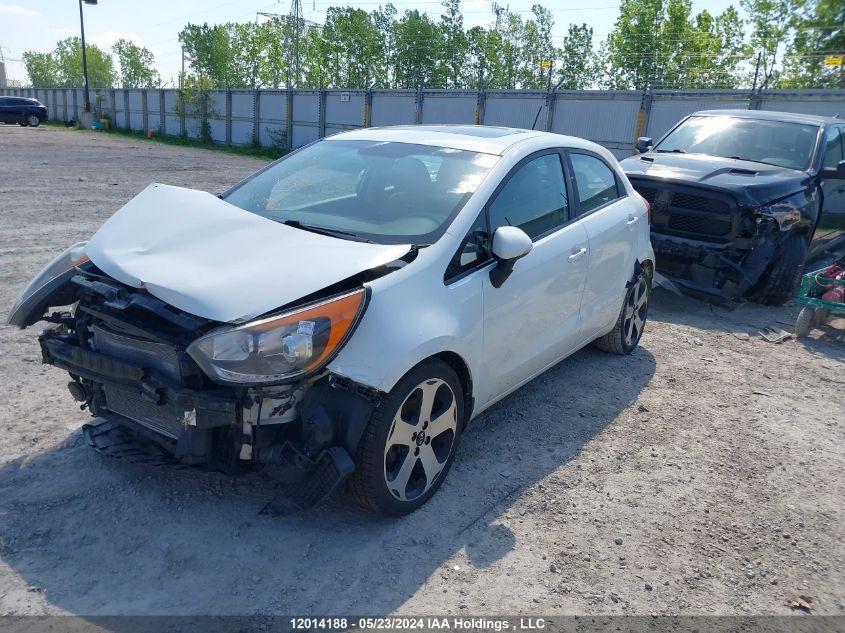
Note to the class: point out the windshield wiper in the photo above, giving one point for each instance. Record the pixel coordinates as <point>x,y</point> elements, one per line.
<point>322,230</point>
<point>671,151</point>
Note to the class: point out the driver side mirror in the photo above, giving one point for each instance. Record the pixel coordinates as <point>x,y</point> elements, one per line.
<point>510,243</point>
<point>834,173</point>
<point>644,143</point>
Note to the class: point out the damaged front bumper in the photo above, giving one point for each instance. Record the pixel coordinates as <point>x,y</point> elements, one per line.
<point>302,436</point>
<point>720,272</point>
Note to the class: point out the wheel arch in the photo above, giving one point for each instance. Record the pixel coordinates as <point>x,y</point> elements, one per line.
<point>460,367</point>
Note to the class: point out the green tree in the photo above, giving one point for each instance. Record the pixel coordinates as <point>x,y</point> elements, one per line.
<point>578,69</point>
<point>455,43</point>
<point>770,22</point>
<point>419,50</point>
<point>482,58</point>
<point>819,31</point>
<point>42,69</point>
<point>660,43</point>
<point>67,64</point>
<point>209,52</point>
<point>136,65</point>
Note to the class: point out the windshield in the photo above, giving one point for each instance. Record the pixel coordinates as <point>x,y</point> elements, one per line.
<point>771,142</point>
<point>384,192</point>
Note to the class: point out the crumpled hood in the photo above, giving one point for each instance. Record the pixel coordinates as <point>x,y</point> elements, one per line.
<point>217,261</point>
<point>748,181</point>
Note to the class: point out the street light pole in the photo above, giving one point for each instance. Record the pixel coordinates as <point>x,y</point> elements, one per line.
<point>86,101</point>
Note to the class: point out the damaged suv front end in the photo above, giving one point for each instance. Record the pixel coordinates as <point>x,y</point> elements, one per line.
<point>736,198</point>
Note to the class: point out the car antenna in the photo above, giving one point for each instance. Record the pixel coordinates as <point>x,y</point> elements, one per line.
<point>539,110</point>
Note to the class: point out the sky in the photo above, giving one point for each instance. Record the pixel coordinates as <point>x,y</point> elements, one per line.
<point>38,24</point>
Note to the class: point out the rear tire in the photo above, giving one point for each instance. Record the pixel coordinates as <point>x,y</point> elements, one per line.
<point>625,335</point>
<point>410,441</point>
<point>805,322</point>
<point>22,123</point>
<point>783,277</point>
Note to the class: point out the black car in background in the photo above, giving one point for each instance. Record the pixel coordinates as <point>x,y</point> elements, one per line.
<point>741,199</point>
<point>23,111</point>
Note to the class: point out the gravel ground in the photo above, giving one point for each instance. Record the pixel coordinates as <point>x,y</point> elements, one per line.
<point>703,474</point>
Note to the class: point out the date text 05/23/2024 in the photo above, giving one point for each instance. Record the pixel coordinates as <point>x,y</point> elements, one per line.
<point>418,624</point>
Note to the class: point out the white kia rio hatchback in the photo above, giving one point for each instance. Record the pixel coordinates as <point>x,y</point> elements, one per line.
<point>338,317</point>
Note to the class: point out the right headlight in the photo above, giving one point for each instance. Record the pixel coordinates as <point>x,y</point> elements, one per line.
<point>279,348</point>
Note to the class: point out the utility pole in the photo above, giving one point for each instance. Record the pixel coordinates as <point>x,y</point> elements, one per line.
<point>296,17</point>
<point>86,101</point>
<point>498,11</point>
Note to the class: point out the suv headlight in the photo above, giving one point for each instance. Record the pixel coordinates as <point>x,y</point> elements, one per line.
<point>29,305</point>
<point>281,347</point>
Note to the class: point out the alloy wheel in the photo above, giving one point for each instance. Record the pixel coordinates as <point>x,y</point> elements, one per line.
<point>636,310</point>
<point>420,440</point>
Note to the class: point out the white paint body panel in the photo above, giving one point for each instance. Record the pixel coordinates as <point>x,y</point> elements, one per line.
<point>212,259</point>
<point>413,315</point>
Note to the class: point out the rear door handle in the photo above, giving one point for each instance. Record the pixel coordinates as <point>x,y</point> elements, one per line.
<point>632,219</point>
<point>576,255</point>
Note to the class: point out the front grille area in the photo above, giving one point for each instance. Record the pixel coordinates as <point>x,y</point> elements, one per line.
<point>158,357</point>
<point>699,203</point>
<point>689,211</point>
<point>702,226</point>
<point>165,419</point>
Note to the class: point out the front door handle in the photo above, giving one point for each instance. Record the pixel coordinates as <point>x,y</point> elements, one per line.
<point>576,255</point>
<point>632,219</point>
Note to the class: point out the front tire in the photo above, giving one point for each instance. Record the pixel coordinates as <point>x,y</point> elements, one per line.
<point>410,441</point>
<point>783,277</point>
<point>625,335</point>
<point>33,121</point>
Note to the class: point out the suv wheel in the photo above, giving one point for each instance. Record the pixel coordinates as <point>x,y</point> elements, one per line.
<point>23,123</point>
<point>32,120</point>
<point>410,441</point>
<point>626,334</point>
<point>783,277</point>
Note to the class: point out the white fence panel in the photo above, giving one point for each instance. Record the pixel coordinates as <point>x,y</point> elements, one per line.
<point>527,111</point>
<point>344,109</point>
<point>445,107</point>
<point>393,108</point>
<point>599,119</point>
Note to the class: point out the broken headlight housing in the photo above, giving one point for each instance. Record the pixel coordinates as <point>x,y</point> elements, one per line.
<point>278,348</point>
<point>30,303</point>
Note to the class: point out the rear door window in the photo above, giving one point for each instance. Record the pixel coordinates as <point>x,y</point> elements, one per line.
<point>596,182</point>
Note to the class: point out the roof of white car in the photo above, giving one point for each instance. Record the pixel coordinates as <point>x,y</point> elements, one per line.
<point>487,139</point>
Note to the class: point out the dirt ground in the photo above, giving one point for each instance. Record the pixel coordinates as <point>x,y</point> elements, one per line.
<point>703,474</point>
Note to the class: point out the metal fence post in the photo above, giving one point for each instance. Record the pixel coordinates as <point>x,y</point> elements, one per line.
<point>368,108</point>
<point>228,116</point>
<point>162,124</point>
<point>418,102</point>
<point>480,103</point>
<point>75,113</point>
<point>289,118</point>
<point>256,117</point>
<point>182,129</point>
<point>643,115</point>
<point>321,114</point>
<point>127,117</point>
<point>145,113</point>
<point>551,98</point>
